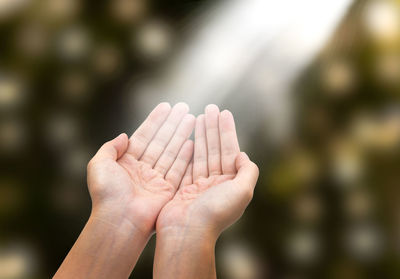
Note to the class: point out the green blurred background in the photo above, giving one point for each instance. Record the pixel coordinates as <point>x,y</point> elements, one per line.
<point>74,74</point>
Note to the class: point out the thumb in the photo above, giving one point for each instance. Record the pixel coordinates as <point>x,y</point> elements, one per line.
<point>247,171</point>
<point>113,149</point>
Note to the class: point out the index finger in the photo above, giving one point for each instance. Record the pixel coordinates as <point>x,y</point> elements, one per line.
<point>147,130</point>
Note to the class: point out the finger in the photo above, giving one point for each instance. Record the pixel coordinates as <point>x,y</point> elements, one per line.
<point>164,134</point>
<point>170,153</point>
<point>229,142</point>
<point>188,177</point>
<point>145,133</point>
<point>177,171</point>
<point>213,141</point>
<point>200,168</point>
<point>112,149</point>
<point>248,172</point>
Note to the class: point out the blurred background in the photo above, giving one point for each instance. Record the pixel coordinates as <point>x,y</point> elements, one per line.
<point>315,89</point>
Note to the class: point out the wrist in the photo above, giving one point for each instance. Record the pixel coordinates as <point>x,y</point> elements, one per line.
<point>105,249</point>
<point>185,253</point>
<point>116,222</point>
<point>188,235</point>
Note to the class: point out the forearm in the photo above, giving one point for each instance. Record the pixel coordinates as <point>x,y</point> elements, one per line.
<point>184,254</point>
<point>105,249</point>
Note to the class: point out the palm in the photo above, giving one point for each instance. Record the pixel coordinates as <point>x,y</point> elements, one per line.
<point>144,180</point>
<point>193,200</point>
<point>203,199</point>
<point>146,174</point>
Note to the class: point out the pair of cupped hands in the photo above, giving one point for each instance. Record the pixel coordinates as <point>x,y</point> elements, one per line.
<point>159,179</point>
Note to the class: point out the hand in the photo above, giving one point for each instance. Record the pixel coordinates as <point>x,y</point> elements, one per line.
<point>130,180</point>
<point>217,186</point>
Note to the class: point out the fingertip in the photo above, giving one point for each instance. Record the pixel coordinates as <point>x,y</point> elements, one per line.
<point>226,114</point>
<point>164,106</point>
<point>241,159</point>
<point>181,106</point>
<point>226,121</point>
<point>119,139</point>
<point>189,143</point>
<point>123,136</point>
<point>200,118</point>
<point>126,139</point>
<point>190,118</point>
<point>121,144</point>
<point>211,108</point>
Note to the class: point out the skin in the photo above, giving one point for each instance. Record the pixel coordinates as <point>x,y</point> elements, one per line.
<point>216,189</point>
<point>147,182</point>
<point>130,181</point>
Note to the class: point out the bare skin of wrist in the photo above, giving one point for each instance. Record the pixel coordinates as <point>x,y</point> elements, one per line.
<point>104,249</point>
<point>185,253</point>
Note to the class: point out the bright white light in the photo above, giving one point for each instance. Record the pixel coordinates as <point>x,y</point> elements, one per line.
<point>246,54</point>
